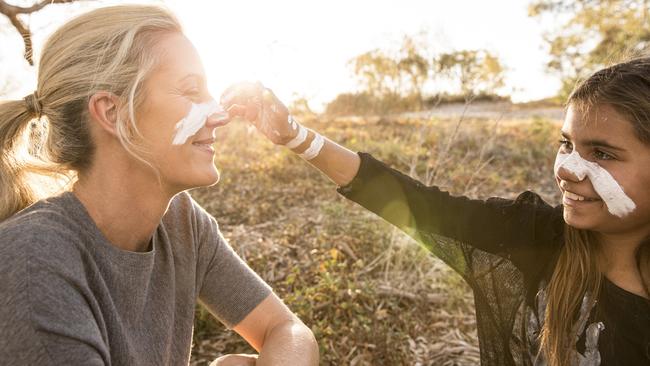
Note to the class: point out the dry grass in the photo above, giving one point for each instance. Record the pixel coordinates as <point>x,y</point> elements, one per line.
<point>368,292</point>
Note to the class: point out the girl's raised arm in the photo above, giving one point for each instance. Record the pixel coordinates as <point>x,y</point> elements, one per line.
<point>523,230</point>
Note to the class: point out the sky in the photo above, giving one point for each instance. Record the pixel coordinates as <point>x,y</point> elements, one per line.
<point>302,48</point>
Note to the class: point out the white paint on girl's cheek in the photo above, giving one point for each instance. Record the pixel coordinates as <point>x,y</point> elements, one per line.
<point>618,203</point>
<point>195,120</point>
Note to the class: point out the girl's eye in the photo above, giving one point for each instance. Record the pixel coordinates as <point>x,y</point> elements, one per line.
<point>601,155</point>
<point>565,145</point>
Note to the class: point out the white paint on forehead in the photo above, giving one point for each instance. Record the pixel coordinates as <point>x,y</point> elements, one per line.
<point>618,203</point>
<point>195,120</point>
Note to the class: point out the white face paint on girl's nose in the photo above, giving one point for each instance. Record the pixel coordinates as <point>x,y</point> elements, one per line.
<point>618,203</point>
<point>195,120</point>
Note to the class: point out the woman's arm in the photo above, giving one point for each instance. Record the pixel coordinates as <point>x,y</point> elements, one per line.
<point>278,335</point>
<point>241,300</point>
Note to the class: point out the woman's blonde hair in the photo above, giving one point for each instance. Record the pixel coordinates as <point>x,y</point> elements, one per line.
<point>579,271</point>
<point>107,49</point>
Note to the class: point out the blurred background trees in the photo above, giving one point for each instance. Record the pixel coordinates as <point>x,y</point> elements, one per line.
<point>476,71</point>
<point>413,78</point>
<point>582,35</point>
<point>591,34</point>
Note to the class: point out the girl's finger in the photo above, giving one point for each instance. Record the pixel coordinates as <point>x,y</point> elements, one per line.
<point>240,92</point>
<point>252,112</point>
<point>218,119</point>
<point>212,123</point>
<point>236,110</point>
<point>248,112</point>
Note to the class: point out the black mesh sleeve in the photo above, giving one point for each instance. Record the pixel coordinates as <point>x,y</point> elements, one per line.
<point>500,247</point>
<point>525,230</point>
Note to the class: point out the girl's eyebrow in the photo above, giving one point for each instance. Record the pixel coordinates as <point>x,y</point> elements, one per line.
<point>595,143</point>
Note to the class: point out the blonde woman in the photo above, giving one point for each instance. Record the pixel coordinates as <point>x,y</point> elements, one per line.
<point>565,285</point>
<point>108,273</point>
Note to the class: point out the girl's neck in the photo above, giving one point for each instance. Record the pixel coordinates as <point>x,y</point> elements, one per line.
<point>620,260</point>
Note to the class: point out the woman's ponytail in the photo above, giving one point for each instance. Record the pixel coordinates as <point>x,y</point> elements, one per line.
<point>15,191</point>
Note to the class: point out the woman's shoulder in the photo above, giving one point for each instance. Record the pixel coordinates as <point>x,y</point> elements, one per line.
<point>185,218</point>
<point>51,212</point>
<point>49,229</point>
<point>184,208</point>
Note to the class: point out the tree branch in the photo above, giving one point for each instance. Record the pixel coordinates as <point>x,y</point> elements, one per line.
<point>12,11</point>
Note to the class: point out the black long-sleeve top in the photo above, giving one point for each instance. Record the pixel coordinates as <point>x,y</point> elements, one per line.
<point>506,251</point>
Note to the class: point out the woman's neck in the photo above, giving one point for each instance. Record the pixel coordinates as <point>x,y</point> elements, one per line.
<point>126,203</point>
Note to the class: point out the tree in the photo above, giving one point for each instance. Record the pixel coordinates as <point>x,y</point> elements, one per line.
<point>13,12</point>
<point>300,106</point>
<point>377,72</point>
<point>595,33</point>
<point>477,71</point>
<point>413,65</point>
<point>398,80</point>
<point>392,79</point>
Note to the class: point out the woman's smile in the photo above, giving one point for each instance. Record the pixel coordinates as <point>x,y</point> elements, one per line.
<point>205,145</point>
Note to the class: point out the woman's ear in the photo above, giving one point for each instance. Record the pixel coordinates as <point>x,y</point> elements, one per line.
<point>102,108</point>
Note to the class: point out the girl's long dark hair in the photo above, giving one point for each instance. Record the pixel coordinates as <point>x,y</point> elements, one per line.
<point>625,87</point>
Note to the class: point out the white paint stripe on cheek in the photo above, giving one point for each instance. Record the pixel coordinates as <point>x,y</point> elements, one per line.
<point>617,202</point>
<point>195,120</point>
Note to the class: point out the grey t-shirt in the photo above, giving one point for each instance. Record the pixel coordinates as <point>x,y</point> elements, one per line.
<point>69,297</point>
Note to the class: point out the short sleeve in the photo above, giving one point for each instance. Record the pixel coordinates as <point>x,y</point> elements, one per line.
<point>228,287</point>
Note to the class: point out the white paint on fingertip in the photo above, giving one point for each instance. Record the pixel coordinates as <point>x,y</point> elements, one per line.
<point>617,202</point>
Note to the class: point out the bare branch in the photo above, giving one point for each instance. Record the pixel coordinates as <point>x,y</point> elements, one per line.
<point>40,5</point>
<point>12,11</point>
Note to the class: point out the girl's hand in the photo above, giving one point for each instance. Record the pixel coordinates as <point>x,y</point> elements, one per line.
<point>235,360</point>
<point>258,105</point>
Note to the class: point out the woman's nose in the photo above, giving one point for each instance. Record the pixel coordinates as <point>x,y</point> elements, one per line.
<point>206,97</point>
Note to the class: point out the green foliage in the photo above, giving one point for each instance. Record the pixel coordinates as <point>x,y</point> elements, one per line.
<point>594,33</point>
<point>353,104</point>
<point>377,72</point>
<point>400,73</point>
<point>414,65</point>
<point>300,107</point>
<point>477,71</point>
<point>365,103</point>
<point>396,81</point>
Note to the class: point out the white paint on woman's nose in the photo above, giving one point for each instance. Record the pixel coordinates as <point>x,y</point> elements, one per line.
<point>618,203</point>
<point>195,120</point>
